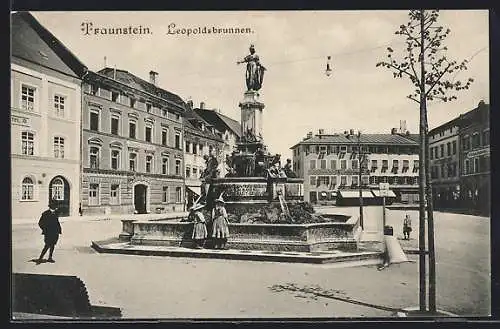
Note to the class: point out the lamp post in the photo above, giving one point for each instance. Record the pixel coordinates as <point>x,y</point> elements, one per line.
<point>360,186</point>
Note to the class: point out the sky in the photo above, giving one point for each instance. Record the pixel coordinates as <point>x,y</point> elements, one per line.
<point>293,46</point>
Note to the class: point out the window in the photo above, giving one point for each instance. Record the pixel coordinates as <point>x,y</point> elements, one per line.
<point>115,159</point>
<point>333,164</point>
<point>343,164</point>
<point>354,180</point>
<point>164,166</point>
<point>406,165</point>
<point>454,147</point>
<point>312,180</point>
<point>187,147</point>
<point>188,172</point>
<point>114,194</point>
<point>164,195</point>
<point>354,164</point>
<point>441,147</point>
<point>178,141</point>
<point>448,149</point>
<point>395,166</point>
<point>178,194</point>
<point>333,182</point>
<point>312,164</point>
<point>436,150</point>
<point>323,164</point>
<point>28,142</point>
<point>385,165</point>
<point>27,187</point>
<point>343,180</point>
<point>177,167</point>
<point>431,153</point>
<point>148,107</point>
<point>59,105</point>
<point>201,148</point>
<point>374,165</point>
<point>443,171</point>
<point>475,140</point>
<point>115,124</point>
<point>149,163</point>
<point>94,90</point>
<point>486,137</point>
<point>132,129</point>
<point>164,136</point>
<point>94,157</point>
<point>324,180</point>
<point>94,120</point>
<point>195,148</point>
<point>149,134</point>
<point>59,147</point>
<point>132,102</point>
<point>94,194</point>
<point>467,167</point>
<point>115,96</point>
<point>466,143</point>
<point>58,189</point>
<point>132,162</point>
<point>195,172</point>
<point>28,98</point>
<point>476,165</point>
<point>365,180</point>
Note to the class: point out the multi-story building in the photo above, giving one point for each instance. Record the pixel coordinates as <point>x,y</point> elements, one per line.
<point>230,129</point>
<point>444,157</point>
<point>132,137</point>
<point>330,166</point>
<point>45,120</point>
<point>474,135</point>
<point>200,138</point>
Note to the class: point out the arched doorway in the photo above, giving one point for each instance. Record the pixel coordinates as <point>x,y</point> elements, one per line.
<point>140,194</point>
<point>59,192</point>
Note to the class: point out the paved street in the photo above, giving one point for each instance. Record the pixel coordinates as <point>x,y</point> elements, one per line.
<point>157,287</point>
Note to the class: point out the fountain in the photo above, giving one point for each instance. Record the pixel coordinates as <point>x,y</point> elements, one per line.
<point>264,201</point>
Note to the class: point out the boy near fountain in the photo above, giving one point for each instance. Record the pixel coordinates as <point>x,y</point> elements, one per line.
<point>220,230</point>
<point>200,227</point>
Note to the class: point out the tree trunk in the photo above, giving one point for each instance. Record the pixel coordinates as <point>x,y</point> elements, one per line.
<point>421,173</point>
<point>430,224</point>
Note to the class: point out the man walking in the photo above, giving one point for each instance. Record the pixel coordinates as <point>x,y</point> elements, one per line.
<point>51,228</point>
<point>407,227</point>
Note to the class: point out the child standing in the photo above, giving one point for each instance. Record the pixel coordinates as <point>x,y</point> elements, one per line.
<point>220,231</point>
<point>200,227</point>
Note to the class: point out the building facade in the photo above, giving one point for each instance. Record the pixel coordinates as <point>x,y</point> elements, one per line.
<point>230,129</point>
<point>444,157</point>
<point>45,121</point>
<point>132,145</point>
<point>200,139</point>
<point>331,167</point>
<point>475,180</point>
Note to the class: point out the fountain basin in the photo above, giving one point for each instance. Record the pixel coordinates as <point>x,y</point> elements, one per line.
<point>340,235</point>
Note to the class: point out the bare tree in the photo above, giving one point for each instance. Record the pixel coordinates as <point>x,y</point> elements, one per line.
<point>425,63</point>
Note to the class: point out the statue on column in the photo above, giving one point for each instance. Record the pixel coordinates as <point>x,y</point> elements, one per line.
<point>255,70</point>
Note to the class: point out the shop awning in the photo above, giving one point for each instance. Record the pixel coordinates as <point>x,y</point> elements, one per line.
<point>355,194</point>
<point>390,193</point>
<point>195,189</point>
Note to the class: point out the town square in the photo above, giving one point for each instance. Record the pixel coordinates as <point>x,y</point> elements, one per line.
<point>193,165</point>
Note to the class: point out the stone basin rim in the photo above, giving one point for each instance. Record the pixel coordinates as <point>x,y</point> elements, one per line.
<point>308,225</point>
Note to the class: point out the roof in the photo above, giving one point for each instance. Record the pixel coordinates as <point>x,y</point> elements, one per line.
<point>382,139</point>
<point>134,81</point>
<point>476,114</point>
<point>220,121</point>
<point>33,42</point>
<point>192,118</point>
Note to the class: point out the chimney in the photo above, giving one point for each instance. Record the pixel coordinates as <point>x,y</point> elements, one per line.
<point>152,77</point>
<point>202,105</point>
<point>309,135</point>
<point>351,132</point>
<point>394,131</point>
<point>321,131</point>
<point>190,104</point>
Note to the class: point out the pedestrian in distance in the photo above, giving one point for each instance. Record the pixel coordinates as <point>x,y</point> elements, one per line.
<point>220,229</point>
<point>200,226</point>
<point>407,227</point>
<point>51,228</point>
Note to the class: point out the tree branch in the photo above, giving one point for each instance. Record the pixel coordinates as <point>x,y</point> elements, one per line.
<point>437,80</point>
<point>401,70</point>
<point>413,99</point>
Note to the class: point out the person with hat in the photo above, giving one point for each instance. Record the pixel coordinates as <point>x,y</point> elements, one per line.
<point>220,228</point>
<point>200,227</point>
<point>51,228</point>
<point>407,227</point>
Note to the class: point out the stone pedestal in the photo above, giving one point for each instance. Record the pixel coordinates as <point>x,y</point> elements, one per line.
<point>251,118</point>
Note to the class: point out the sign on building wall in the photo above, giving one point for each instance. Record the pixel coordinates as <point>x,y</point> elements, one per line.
<point>20,121</point>
<point>476,153</point>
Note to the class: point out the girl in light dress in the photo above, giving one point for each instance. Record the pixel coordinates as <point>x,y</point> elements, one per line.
<point>220,230</point>
<point>200,227</point>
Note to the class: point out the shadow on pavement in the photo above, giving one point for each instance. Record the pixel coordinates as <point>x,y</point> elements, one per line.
<point>315,291</point>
